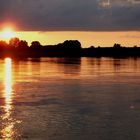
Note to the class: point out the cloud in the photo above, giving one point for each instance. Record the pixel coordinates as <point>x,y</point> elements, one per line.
<point>110,3</point>
<point>89,15</point>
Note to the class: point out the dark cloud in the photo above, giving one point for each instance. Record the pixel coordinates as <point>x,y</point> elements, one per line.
<point>88,15</point>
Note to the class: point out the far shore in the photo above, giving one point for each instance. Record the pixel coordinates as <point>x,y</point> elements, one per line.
<point>70,48</point>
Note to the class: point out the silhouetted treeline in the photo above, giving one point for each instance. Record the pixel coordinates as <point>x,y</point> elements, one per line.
<point>69,48</point>
<point>116,51</point>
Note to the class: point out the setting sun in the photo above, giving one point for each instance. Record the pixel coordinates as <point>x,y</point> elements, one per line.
<point>7,33</point>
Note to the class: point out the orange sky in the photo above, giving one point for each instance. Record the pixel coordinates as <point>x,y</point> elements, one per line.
<point>86,38</point>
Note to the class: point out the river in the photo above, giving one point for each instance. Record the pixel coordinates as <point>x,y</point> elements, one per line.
<point>70,99</point>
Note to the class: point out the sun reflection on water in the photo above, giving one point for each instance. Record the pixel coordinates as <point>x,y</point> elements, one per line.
<point>8,132</point>
<point>8,84</point>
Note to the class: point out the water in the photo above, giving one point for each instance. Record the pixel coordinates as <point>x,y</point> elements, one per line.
<point>70,99</point>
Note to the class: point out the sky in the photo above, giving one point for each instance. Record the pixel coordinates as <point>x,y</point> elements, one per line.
<point>117,20</point>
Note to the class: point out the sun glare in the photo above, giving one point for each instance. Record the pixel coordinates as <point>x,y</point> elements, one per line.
<point>7,33</point>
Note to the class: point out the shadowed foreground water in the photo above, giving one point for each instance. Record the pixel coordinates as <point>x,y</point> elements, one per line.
<point>70,99</point>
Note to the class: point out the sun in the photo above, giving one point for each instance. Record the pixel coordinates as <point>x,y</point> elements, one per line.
<point>7,33</point>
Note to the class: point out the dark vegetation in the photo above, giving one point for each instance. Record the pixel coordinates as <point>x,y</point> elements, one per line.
<point>69,48</point>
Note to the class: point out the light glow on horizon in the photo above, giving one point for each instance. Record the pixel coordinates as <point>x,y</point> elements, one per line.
<point>87,39</point>
<point>7,33</point>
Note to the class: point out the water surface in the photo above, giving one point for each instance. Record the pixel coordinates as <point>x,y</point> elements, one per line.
<point>70,99</point>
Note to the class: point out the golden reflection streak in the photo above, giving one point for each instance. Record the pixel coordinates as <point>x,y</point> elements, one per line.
<point>8,132</point>
<point>8,82</point>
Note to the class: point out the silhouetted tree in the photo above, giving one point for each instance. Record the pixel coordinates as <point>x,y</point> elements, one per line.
<point>92,47</point>
<point>71,48</point>
<point>72,44</point>
<point>3,46</point>
<point>117,45</point>
<point>14,42</point>
<point>22,44</point>
<point>3,43</point>
<point>135,46</point>
<point>35,45</point>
